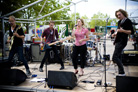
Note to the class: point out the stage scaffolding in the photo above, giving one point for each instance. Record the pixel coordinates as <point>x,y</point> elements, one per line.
<point>4,17</point>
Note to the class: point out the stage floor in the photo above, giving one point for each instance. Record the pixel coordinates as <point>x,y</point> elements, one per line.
<point>94,73</point>
<point>90,74</point>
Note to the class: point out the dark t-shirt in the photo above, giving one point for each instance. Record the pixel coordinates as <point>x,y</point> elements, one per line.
<point>51,33</point>
<point>17,41</point>
<point>123,37</point>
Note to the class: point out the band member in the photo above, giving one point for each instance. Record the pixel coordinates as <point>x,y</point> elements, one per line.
<point>50,34</point>
<point>17,34</point>
<point>124,29</point>
<point>81,35</point>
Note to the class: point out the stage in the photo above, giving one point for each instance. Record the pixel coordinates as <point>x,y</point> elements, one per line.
<point>93,74</point>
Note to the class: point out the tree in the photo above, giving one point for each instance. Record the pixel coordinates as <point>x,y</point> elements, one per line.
<point>85,18</point>
<point>97,20</point>
<point>72,17</point>
<point>33,11</point>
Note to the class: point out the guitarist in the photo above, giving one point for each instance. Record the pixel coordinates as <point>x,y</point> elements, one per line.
<point>124,29</point>
<point>17,33</point>
<point>50,34</point>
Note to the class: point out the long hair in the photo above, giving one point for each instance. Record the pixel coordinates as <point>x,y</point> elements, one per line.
<point>122,11</point>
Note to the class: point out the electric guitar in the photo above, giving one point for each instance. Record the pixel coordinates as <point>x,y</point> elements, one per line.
<point>120,27</point>
<point>47,46</point>
<point>12,38</point>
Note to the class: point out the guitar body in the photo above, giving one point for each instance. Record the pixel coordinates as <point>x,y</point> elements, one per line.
<point>45,47</point>
<point>12,38</point>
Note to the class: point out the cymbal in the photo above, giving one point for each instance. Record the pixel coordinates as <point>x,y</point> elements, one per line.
<point>97,33</point>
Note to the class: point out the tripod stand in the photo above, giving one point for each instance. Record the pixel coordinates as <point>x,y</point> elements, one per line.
<point>104,57</point>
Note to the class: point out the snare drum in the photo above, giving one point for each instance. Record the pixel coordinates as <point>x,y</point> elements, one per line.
<point>89,44</point>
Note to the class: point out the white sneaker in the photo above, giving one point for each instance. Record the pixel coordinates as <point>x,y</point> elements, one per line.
<point>121,75</point>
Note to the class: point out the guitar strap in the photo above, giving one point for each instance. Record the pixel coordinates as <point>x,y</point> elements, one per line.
<point>54,35</point>
<point>122,21</point>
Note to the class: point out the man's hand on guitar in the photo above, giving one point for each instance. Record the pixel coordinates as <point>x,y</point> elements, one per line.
<point>113,35</point>
<point>16,34</point>
<point>41,45</point>
<point>8,41</point>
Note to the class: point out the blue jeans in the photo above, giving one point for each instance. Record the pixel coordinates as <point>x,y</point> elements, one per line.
<point>21,58</point>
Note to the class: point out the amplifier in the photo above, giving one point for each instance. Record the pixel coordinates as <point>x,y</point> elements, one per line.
<point>130,57</point>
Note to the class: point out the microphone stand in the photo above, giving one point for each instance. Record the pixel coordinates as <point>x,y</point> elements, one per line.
<point>104,57</point>
<point>46,79</point>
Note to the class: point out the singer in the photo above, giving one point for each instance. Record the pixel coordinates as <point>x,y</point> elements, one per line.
<point>81,35</point>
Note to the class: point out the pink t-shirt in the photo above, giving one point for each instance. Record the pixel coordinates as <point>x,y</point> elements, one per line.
<point>79,36</point>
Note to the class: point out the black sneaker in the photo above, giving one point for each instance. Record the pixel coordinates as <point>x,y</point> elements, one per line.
<point>62,67</point>
<point>41,69</point>
<point>28,73</point>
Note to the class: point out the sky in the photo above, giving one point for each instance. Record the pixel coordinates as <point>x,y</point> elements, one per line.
<point>104,6</point>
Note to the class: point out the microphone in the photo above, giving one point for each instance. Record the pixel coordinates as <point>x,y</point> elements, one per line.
<point>75,25</point>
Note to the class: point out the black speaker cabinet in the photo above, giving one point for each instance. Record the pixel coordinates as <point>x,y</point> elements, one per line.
<point>130,57</point>
<point>12,77</point>
<point>126,84</point>
<point>62,79</point>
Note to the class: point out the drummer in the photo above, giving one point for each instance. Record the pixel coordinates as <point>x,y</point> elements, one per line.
<point>93,40</point>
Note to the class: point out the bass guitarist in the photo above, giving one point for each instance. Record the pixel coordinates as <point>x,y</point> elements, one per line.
<point>17,35</point>
<point>50,34</point>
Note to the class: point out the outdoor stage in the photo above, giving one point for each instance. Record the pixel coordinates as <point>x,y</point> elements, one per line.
<point>90,74</point>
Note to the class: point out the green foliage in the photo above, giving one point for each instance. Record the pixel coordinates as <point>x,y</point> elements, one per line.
<point>96,21</point>
<point>72,17</point>
<point>33,11</point>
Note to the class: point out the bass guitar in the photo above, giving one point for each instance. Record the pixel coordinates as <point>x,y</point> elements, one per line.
<point>47,46</point>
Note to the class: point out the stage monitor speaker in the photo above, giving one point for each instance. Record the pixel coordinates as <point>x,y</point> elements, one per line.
<point>126,84</point>
<point>12,77</point>
<point>62,79</point>
<point>5,65</point>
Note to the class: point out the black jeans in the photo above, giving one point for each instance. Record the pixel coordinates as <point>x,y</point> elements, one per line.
<point>82,50</point>
<point>54,48</point>
<point>21,58</point>
<point>117,56</point>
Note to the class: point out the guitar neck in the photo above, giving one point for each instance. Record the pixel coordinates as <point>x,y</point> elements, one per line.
<point>60,41</point>
<point>53,43</point>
